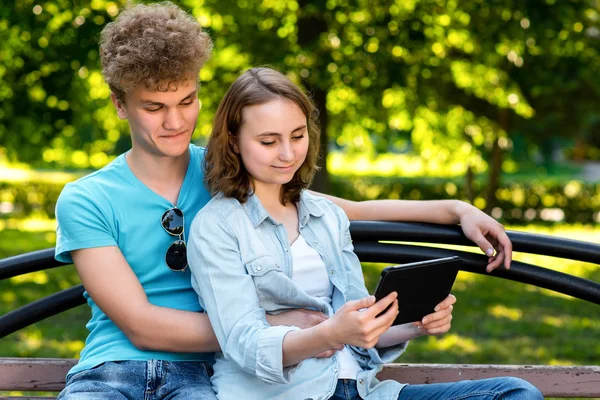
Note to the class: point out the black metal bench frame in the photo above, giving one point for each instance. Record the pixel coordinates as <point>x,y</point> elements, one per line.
<point>371,241</point>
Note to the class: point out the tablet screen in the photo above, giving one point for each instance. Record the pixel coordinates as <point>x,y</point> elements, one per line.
<point>420,286</point>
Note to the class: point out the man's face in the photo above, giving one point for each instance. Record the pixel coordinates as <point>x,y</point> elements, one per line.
<point>161,123</point>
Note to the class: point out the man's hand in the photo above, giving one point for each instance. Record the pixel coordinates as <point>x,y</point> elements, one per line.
<point>438,322</point>
<point>304,319</point>
<point>300,317</point>
<point>487,233</point>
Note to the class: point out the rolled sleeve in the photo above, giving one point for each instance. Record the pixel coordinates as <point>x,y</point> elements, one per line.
<point>227,292</point>
<point>269,355</point>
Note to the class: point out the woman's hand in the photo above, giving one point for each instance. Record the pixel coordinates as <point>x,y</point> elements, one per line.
<point>358,322</point>
<point>487,233</point>
<point>438,322</point>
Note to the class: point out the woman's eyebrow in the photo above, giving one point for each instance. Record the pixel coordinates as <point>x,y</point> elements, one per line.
<point>279,134</point>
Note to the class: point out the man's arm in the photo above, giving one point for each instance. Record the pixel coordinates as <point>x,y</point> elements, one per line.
<point>114,287</point>
<point>483,230</point>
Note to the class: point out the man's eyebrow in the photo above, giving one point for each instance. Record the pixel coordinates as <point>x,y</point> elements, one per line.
<point>279,134</point>
<point>157,103</point>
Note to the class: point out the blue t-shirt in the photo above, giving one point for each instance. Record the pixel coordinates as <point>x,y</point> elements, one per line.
<point>111,207</point>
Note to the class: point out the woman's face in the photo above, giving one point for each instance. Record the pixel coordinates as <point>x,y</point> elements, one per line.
<point>273,141</point>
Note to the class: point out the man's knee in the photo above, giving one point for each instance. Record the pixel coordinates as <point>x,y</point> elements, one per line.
<point>521,389</point>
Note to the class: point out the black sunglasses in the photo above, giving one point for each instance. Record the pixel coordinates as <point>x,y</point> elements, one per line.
<point>172,222</point>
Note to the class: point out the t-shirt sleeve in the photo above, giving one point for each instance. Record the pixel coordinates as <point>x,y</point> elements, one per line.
<point>83,222</point>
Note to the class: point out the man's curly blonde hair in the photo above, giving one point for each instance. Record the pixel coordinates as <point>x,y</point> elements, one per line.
<point>159,45</point>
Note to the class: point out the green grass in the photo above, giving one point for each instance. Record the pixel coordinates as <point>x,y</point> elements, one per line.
<point>495,320</point>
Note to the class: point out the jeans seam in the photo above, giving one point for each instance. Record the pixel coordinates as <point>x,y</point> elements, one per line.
<point>484,392</point>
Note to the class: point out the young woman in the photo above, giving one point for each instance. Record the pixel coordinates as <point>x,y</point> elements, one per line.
<point>264,245</point>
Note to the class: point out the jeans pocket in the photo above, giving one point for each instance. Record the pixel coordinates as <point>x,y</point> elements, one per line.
<point>78,374</point>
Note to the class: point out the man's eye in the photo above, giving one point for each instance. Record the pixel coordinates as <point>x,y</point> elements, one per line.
<point>187,103</point>
<point>153,109</point>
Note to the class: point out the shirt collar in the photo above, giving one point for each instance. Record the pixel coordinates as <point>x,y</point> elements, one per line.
<point>306,208</point>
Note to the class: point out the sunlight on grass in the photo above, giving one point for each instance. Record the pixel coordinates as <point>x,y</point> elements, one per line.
<point>8,297</point>
<point>388,164</point>
<point>30,225</point>
<point>38,277</point>
<point>23,174</point>
<point>499,311</point>
<point>554,321</point>
<point>452,341</point>
<point>33,339</point>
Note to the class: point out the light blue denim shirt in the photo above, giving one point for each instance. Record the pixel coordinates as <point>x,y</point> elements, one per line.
<point>241,267</point>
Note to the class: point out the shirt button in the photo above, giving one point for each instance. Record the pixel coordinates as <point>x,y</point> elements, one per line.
<point>361,381</point>
<point>331,272</point>
<point>259,268</point>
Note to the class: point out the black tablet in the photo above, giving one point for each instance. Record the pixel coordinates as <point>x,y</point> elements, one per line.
<point>420,286</point>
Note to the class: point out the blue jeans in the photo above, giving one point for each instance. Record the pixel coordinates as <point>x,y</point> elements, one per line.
<point>148,380</point>
<point>505,388</point>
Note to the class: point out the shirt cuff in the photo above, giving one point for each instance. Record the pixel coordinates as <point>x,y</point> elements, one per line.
<point>373,357</point>
<point>269,355</point>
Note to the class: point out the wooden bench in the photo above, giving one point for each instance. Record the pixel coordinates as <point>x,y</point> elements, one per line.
<point>48,375</point>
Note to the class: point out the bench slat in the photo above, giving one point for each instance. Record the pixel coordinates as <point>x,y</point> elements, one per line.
<point>48,374</point>
<point>553,381</point>
<point>34,374</point>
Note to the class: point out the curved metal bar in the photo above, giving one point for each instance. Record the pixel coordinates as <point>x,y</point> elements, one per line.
<point>41,309</point>
<point>29,262</point>
<point>581,288</point>
<point>370,231</point>
<point>365,235</point>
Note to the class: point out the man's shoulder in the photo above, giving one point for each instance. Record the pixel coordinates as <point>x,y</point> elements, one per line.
<point>96,185</point>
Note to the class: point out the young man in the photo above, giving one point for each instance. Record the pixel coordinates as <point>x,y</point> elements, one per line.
<point>125,226</point>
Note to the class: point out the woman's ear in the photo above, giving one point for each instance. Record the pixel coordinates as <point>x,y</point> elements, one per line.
<point>233,143</point>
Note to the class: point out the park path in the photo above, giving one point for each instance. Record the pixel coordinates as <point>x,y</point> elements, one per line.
<point>591,171</point>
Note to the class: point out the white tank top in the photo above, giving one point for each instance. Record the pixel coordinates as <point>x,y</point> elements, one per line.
<point>310,274</point>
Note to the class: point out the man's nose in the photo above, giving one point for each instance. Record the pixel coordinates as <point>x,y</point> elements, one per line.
<point>174,119</point>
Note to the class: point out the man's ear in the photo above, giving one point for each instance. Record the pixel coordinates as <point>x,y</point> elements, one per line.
<point>118,105</point>
<point>233,143</point>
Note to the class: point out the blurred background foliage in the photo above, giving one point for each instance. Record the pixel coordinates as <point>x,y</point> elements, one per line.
<point>492,102</point>
<point>472,91</point>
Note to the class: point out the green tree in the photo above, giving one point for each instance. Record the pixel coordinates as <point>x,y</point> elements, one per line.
<point>452,80</point>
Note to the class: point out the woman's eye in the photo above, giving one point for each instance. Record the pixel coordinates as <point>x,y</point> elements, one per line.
<point>297,137</point>
<point>267,143</point>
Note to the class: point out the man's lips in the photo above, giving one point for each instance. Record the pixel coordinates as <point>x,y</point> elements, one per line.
<point>175,135</point>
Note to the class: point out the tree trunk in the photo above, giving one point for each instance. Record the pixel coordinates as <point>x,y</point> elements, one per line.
<point>469,185</point>
<point>321,183</point>
<point>495,166</point>
<point>311,24</point>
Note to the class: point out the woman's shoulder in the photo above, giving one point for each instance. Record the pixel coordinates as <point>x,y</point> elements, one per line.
<point>319,205</point>
<point>221,205</point>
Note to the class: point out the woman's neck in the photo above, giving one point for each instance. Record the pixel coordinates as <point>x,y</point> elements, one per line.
<point>270,198</point>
